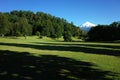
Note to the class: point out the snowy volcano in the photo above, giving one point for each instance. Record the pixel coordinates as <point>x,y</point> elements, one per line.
<point>86,26</point>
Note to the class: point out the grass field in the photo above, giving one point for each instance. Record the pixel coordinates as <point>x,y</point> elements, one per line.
<point>48,59</point>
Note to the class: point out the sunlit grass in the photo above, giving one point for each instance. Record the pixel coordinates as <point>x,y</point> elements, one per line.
<point>102,61</point>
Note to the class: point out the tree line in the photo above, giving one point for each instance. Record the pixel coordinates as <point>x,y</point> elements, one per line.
<point>105,32</point>
<point>26,23</point>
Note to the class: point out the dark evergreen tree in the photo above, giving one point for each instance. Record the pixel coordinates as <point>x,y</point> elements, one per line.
<point>67,36</point>
<point>4,25</point>
<point>67,33</point>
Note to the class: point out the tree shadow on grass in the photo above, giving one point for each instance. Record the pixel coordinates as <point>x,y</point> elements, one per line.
<point>73,48</point>
<point>23,66</point>
<point>87,45</point>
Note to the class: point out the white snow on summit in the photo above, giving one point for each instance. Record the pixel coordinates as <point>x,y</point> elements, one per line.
<point>86,26</point>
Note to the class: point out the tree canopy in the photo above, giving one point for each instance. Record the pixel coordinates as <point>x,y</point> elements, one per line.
<point>105,32</point>
<point>16,23</point>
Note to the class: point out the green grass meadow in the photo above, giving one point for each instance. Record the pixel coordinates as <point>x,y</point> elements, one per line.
<point>53,59</point>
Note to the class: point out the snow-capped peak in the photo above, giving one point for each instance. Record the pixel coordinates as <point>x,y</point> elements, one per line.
<point>88,24</point>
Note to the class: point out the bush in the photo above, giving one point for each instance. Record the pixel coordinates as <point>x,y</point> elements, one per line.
<point>40,36</point>
<point>38,33</point>
<point>18,34</point>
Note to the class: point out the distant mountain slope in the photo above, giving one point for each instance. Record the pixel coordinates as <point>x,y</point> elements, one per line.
<point>86,26</point>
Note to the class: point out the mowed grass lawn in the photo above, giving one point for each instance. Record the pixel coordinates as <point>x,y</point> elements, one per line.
<point>48,59</point>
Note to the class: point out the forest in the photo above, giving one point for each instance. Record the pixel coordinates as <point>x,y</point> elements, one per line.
<point>27,23</point>
<point>105,32</point>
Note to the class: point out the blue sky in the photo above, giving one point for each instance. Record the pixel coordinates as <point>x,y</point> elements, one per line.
<point>76,11</point>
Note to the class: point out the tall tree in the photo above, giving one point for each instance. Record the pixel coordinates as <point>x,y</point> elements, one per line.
<point>21,27</point>
<point>4,24</point>
<point>67,33</point>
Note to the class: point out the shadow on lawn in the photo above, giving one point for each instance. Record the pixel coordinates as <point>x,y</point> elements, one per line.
<point>75,48</point>
<point>87,45</point>
<point>23,66</point>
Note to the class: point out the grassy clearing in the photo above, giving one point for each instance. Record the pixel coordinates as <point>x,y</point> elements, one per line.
<point>58,60</point>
